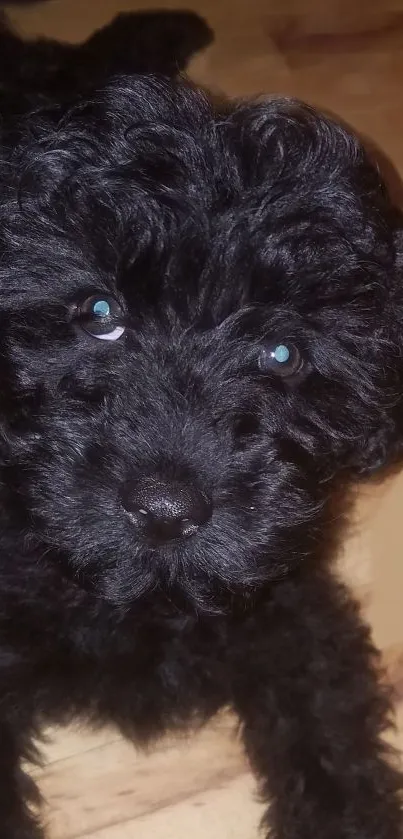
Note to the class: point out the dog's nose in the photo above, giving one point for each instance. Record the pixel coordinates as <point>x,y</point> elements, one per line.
<point>166,509</point>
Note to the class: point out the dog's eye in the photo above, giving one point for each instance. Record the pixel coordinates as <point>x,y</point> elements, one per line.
<point>284,360</point>
<point>99,316</point>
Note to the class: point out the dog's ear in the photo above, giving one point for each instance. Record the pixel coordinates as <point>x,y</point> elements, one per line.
<point>383,448</point>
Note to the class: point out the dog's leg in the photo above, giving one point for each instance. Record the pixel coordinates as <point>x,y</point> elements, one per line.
<point>307,690</point>
<point>17,790</point>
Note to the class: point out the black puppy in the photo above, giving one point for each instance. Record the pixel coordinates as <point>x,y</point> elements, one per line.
<point>201,335</point>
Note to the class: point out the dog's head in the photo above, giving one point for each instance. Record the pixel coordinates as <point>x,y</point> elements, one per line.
<point>200,330</point>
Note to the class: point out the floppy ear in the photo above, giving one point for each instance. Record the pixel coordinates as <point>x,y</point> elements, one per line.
<point>384,447</point>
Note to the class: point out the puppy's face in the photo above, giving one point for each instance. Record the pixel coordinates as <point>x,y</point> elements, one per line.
<point>199,331</point>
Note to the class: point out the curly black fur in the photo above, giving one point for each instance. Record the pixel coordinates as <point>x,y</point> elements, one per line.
<point>217,236</point>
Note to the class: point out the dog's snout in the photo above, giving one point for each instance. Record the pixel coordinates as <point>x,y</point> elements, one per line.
<point>166,509</point>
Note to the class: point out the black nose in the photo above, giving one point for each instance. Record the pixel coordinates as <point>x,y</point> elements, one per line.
<point>167,509</point>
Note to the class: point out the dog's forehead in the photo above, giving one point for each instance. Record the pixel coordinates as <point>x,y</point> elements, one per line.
<point>155,192</point>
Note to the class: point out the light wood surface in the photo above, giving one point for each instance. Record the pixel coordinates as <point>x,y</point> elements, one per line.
<point>346,56</point>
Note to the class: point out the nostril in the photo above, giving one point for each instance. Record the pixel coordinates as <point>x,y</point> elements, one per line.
<point>166,509</point>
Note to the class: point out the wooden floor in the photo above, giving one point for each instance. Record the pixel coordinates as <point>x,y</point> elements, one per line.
<point>347,56</point>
